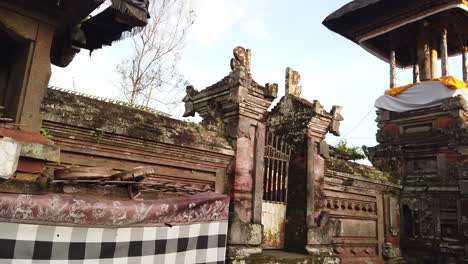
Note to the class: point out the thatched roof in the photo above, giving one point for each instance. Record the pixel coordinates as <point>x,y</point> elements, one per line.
<point>350,7</point>
<point>374,24</point>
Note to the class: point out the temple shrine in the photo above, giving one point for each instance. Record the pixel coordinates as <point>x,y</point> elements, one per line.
<point>423,132</point>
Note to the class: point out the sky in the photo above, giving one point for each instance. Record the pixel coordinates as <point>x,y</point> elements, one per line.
<point>334,70</point>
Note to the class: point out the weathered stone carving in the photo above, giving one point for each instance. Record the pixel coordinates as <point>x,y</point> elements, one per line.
<point>241,60</point>
<point>365,207</point>
<point>292,82</point>
<point>387,158</point>
<point>337,118</point>
<point>188,100</point>
<point>324,232</point>
<point>393,214</point>
<point>271,90</point>
<point>390,252</point>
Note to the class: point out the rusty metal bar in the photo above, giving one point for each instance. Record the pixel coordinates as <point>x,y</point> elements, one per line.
<point>277,155</point>
<point>280,172</point>
<point>270,168</point>
<point>275,176</point>
<point>287,176</point>
<point>266,164</point>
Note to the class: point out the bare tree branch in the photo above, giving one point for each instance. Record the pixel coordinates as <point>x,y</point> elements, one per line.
<point>151,73</point>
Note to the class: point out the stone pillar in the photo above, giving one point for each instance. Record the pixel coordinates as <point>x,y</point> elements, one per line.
<point>31,72</point>
<point>320,227</point>
<point>239,104</point>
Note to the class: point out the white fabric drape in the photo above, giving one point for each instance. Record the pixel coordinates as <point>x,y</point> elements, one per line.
<point>422,95</point>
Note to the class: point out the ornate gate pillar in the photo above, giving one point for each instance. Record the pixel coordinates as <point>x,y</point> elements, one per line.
<point>304,125</point>
<point>238,104</point>
<point>318,225</point>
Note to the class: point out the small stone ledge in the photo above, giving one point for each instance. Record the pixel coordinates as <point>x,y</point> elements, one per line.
<point>283,257</point>
<point>40,151</point>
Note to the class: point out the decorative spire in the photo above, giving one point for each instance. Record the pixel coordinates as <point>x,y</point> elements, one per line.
<point>292,81</point>
<point>241,60</point>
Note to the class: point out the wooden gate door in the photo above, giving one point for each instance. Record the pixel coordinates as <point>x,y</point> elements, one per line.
<point>277,154</point>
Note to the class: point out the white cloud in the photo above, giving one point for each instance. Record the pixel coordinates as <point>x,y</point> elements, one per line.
<point>214,18</point>
<point>256,27</point>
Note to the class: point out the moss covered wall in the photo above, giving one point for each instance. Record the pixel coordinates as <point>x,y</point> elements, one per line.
<point>108,117</point>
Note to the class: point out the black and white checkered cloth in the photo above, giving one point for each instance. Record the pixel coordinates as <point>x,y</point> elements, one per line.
<point>192,243</point>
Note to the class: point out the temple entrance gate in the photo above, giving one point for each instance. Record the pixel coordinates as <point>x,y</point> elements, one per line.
<point>275,191</point>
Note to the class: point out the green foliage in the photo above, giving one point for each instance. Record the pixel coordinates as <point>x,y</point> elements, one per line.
<point>356,152</point>
<point>45,133</point>
<point>99,135</point>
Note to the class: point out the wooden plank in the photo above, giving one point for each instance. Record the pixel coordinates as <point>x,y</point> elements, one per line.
<point>77,159</point>
<point>129,157</point>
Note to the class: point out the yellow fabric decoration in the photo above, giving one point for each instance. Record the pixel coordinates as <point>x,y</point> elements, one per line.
<point>449,81</point>
<point>452,82</point>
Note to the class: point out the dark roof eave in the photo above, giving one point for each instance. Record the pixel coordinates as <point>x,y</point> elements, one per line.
<point>348,8</point>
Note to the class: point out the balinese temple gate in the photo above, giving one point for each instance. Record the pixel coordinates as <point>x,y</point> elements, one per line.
<point>423,129</point>
<point>294,198</point>
<point>88,178</point>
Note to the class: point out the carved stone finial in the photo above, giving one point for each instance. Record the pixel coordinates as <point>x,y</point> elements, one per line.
<point>188,100</point>
<point>292,81</point>
<point>271,90</point>
<point>337,118</point>
<point>241,60</point>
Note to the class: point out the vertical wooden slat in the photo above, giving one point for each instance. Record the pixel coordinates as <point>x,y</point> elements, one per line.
<point>392,69</point>
<point>444,53</point>
<point>434,56</point>
<point>465,63</point>
<point>415,73</point>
